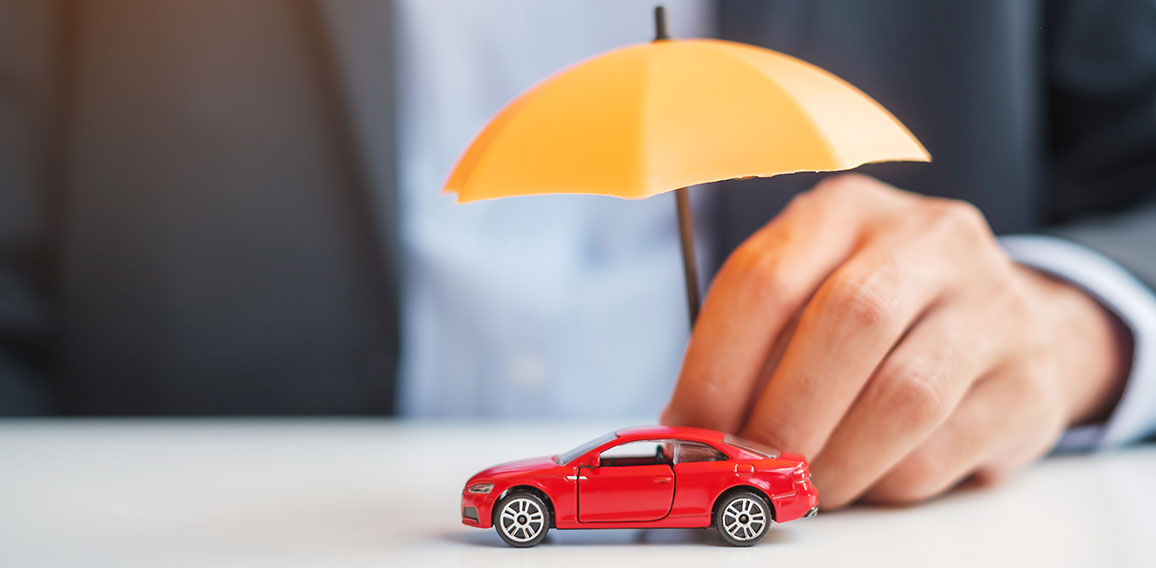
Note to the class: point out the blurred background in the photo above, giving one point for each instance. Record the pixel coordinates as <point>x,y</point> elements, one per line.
<point>223,208</point>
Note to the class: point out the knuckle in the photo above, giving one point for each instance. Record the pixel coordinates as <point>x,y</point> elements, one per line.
<point>831,185</point>
<point>747,258</point>
<point>913,394</point>
<point>1010,300</point>
<point>1003,277</point>
<point>843,186</point>
<point>1028,371</point>
<point>960,217</point>
<point>759,271</point>
<point>1038,380</point>
<point>860,302</point>
<point>801,201</point>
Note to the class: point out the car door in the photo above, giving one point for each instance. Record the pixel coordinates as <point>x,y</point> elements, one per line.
<point>702,472</point>
<point>632,482</point>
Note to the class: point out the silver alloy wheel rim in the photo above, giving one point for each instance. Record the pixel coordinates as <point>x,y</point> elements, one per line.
<point>744,519</point>
<point>522,519</point>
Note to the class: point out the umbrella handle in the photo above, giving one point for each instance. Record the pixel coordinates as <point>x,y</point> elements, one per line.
<point>686,240</point>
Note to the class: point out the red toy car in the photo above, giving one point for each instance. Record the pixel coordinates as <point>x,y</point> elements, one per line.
<point>653,476</point>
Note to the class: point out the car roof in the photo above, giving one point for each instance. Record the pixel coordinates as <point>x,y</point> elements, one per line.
<point>678,432</point>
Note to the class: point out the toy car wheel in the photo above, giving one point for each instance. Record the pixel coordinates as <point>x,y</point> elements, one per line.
<point>743,518</point>
<point>522,519</point>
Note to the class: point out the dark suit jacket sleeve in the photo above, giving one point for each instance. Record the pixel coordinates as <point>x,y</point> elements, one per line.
<point>29,83</point>
<point>1101,69</point>
<point>1128,238</point>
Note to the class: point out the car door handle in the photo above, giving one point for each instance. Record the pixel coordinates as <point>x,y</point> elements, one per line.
<point>662,480</point>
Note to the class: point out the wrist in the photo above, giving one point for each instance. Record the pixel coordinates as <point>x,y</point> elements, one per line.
<point>1091,345</point>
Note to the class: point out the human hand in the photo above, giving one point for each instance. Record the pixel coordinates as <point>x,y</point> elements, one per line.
<point>886,336</point>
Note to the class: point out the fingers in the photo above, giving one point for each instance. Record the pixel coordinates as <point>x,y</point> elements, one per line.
<point>761,288</point>
<point>1007,420</point>
<point>911,394</point>
<point>923,256</point>
<point>853,327</point>
<point>854,320</point>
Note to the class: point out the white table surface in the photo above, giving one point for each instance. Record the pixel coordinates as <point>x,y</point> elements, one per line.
<point>380,493</point>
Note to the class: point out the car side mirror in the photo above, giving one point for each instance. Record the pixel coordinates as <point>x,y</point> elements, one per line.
<point>595,461</point>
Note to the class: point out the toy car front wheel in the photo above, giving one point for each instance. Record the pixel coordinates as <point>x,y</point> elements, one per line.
<point>521,519</point>
<point>743,518</point>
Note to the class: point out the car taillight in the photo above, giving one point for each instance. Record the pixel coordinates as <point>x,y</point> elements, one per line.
<point>802,474</point>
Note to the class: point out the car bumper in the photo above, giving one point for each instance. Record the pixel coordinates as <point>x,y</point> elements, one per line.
<point>476,509</point>
<point>803,503</point>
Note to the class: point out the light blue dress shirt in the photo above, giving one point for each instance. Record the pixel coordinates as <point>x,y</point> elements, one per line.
<point>573,306</point>
<point>543,306</point>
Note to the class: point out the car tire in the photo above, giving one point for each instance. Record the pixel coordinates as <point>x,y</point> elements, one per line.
<point>743,518</point>
<point>522,519</point>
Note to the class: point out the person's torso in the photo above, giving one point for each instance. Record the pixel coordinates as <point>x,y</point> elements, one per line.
<point>223,248</point>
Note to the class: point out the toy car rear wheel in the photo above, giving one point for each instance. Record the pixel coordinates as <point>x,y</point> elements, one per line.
<point>522,519</point>
<point>743,518</point>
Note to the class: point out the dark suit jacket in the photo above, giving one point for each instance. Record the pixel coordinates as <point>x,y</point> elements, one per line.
<point>196,198</point>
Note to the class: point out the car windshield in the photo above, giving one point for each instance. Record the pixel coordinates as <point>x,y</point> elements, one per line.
<point>753,447</point>
<point>565,458</point>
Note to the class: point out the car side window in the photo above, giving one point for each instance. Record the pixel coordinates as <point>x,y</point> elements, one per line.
<point>690,452</point>
<point>642,452</point>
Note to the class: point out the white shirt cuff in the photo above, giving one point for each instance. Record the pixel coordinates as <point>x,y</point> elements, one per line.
<point>1117,290</point>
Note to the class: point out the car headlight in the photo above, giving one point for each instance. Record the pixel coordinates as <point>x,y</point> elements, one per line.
<point>480,488</point>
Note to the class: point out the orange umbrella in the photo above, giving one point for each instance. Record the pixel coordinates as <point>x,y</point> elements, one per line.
<point>652,118</point>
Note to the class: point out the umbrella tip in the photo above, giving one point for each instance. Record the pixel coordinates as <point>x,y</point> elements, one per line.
<point>660,32</point>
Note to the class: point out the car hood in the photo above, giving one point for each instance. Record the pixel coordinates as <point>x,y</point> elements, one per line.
<point>515,467</point>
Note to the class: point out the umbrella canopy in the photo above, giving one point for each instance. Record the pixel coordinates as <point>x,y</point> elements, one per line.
<point>661,116</point>
<point>651,118</point>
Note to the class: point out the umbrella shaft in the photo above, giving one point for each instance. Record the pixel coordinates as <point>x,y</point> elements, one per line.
<point>686,239</point>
